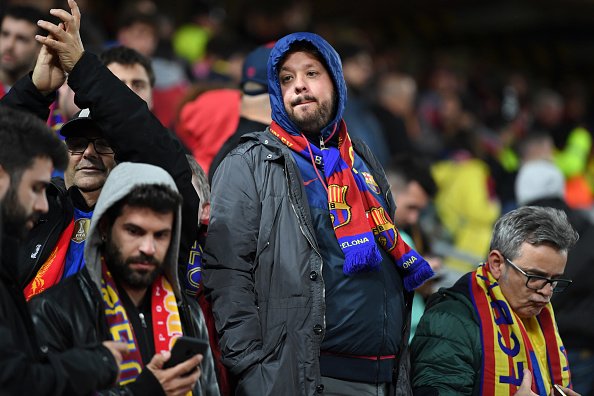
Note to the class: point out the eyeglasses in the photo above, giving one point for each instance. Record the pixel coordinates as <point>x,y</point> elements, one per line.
<point>78,145</point>
<point>537,282</point>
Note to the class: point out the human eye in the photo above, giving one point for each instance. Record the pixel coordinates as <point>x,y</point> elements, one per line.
<point>285,78</point>
<point>133,230</point>
<point>537,281</point>
<point>138,85</point>
<point>39,188</point>
<point>102,145</point>
<point>162,235</point>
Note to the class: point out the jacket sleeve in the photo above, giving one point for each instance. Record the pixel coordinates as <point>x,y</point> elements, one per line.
<point>135,134</point>
<point>446,351</point>
<point>76,371</point>
<point>25,96</point>
<point>230,255</point>
<point>208,385</point>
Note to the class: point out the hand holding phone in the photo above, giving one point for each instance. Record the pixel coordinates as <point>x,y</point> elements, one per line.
<point>557,391</point>
<point>184,348</point>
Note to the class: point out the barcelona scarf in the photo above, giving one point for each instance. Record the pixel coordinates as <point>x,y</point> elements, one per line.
<point>356,215</point>
<point>165,320</point>
<point>51,271</point>
<point>511,344</point>
<point>194,270</point>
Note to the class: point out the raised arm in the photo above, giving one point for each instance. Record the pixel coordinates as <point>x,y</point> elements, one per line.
<point>134,133</point>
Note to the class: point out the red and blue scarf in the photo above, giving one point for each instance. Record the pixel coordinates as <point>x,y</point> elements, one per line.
<point>357,216</point>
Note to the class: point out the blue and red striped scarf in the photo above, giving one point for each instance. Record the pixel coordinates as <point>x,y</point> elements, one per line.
<point>357,216</point>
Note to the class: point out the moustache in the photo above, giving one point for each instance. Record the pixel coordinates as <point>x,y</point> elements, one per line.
<point>89,163</point>
<point>144,259</point>
<point>302,99</point>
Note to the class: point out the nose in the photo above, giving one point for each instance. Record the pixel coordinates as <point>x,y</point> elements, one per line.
<point>547,290</point>
<point>147,246</point>
<point>300,84</point>
<point>90,150</point>
<point>41,205</point>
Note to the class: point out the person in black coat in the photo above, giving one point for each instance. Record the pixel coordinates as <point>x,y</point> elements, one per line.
<point>28,152</point>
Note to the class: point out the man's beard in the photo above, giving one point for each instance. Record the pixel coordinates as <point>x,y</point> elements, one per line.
<point>121,271</point>
<point>312,123</point>
<point>14,216</point>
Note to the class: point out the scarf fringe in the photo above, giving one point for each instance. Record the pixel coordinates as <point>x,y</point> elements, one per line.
<point>420,275</point>
<point>362,259</point>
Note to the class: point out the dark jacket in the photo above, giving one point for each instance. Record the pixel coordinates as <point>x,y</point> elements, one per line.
<point>27,369</point>
<point>133,132</point>
<point>72,312</point>
<point>446,352</point>
<point>574,308</point>
<point>263,267</point>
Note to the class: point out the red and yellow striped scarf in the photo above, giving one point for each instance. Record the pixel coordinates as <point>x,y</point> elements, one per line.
<point>165,321</point>
<point>511,344</point>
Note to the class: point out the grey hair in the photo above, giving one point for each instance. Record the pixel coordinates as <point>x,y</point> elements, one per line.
<point>534,225</point>
<point>203,190</point>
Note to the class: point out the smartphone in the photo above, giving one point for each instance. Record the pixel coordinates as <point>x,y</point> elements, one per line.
<point>184,348</point>
<point>557,391</point>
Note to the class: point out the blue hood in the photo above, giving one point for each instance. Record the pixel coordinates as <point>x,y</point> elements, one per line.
<point>332,61</point>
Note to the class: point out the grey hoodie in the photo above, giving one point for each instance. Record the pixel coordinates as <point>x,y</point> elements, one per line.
<point>121,181</point>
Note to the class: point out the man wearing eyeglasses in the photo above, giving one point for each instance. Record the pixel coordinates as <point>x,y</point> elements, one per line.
<point>119,127</point>
<point>494,331</point>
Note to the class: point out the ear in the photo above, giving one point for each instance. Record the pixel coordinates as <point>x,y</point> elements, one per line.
<point>102,228</point>
<point>4,182</point>
<point>496,263</point>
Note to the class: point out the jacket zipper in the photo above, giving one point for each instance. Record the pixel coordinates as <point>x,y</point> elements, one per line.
<point>305,234</point>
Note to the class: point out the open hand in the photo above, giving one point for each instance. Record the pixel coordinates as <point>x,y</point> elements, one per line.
<point>48,75</point>
<point>64,40</point>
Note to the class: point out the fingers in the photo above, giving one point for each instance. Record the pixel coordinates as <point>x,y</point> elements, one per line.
<point>117,349</point>
<point>527,380</point>
<point>182,385</point>
<point>64,15</point>
<point>158,360</point>
<point>187,366</point>
<point>74,10</point>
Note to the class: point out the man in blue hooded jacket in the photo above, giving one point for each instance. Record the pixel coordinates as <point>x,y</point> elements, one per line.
<point>309,280</point>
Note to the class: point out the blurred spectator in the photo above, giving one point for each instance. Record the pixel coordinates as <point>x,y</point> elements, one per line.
<point>413,188</point>
<point>255,110</point>
<point>18,47</point>
<point>215,116</point>
<point>190,39</point>
<point>466,205</point>
<point>140,30</point>
<point>541,183</point>
<point>394,108</point>
<point>357,66</point>
<point>572,144</point>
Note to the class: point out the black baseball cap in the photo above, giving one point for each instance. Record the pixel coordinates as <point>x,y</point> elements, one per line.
<point>80,124</point>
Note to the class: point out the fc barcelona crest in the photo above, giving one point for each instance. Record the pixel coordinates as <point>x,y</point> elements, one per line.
<point>370,181</point>
<point>384,229</point>
<point>340,212</point>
